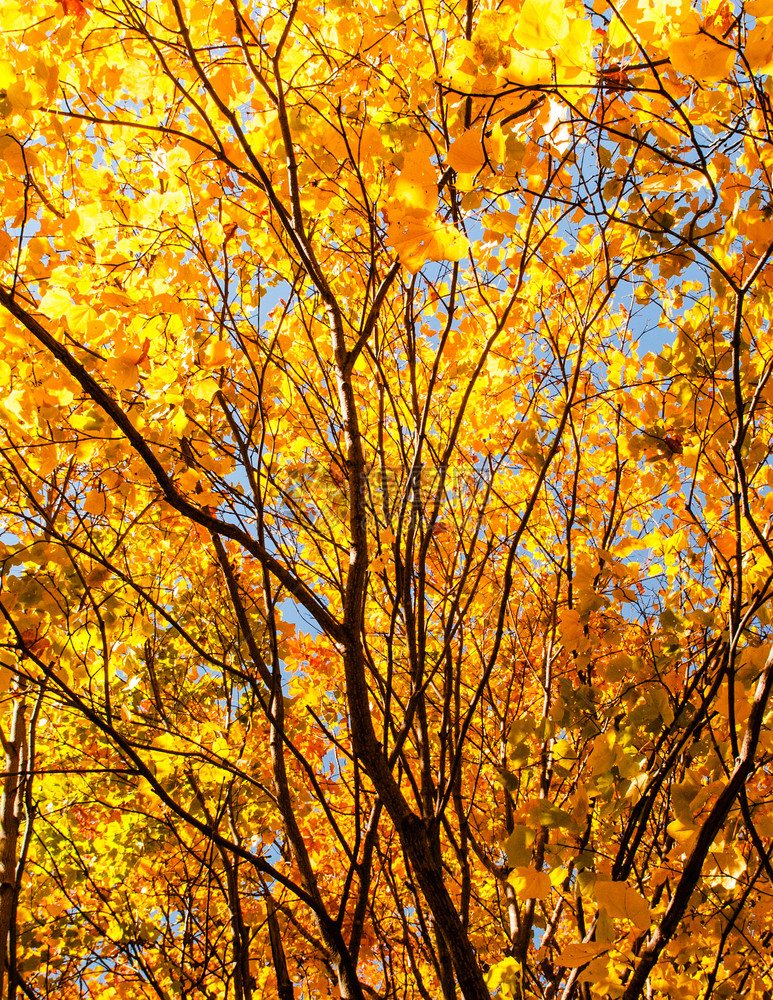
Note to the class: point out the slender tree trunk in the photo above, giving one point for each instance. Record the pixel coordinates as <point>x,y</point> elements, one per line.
<point>284,984</point>
<point>11,805</point>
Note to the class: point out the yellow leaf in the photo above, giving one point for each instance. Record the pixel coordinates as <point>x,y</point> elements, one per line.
<point>122,374</point>
<point>17,404</point>
<point>415,188</point>
<point>541,25</point>
<point>509,970</point>
<point>573,56</point>
<point>650,21</point>
<point>174,202</point>
<point>518,844</point>
<point>692,181</point>
<point>7,74</point>
<point>492,37</point>
<point>623,902</point>
<point>680,830</point>
<point>166,742</point>
<point>500,222</point>
<point>25,92</point>
<point>84,221</point>
<point>529,68</point>
<point>55,303</point>
<point>597,972</point>
<point>497,144</point>
<point>529,883</point>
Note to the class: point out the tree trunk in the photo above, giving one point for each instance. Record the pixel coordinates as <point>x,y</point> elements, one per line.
<point>11,804</point>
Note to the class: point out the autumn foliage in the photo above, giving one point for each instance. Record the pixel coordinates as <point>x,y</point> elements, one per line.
<point>387,478</point>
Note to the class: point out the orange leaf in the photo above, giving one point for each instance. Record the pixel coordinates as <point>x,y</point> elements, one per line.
<point>75,8</point>
<point>701,57</point>
<point>466,154</point>
<point>420,240</point>
<point>575,955</point>
<point>6,245</point>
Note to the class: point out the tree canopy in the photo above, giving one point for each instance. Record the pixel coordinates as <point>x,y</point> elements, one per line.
<point>386,468</point>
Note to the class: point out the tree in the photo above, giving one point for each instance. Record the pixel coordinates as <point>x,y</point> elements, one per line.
<point>387,485</point>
